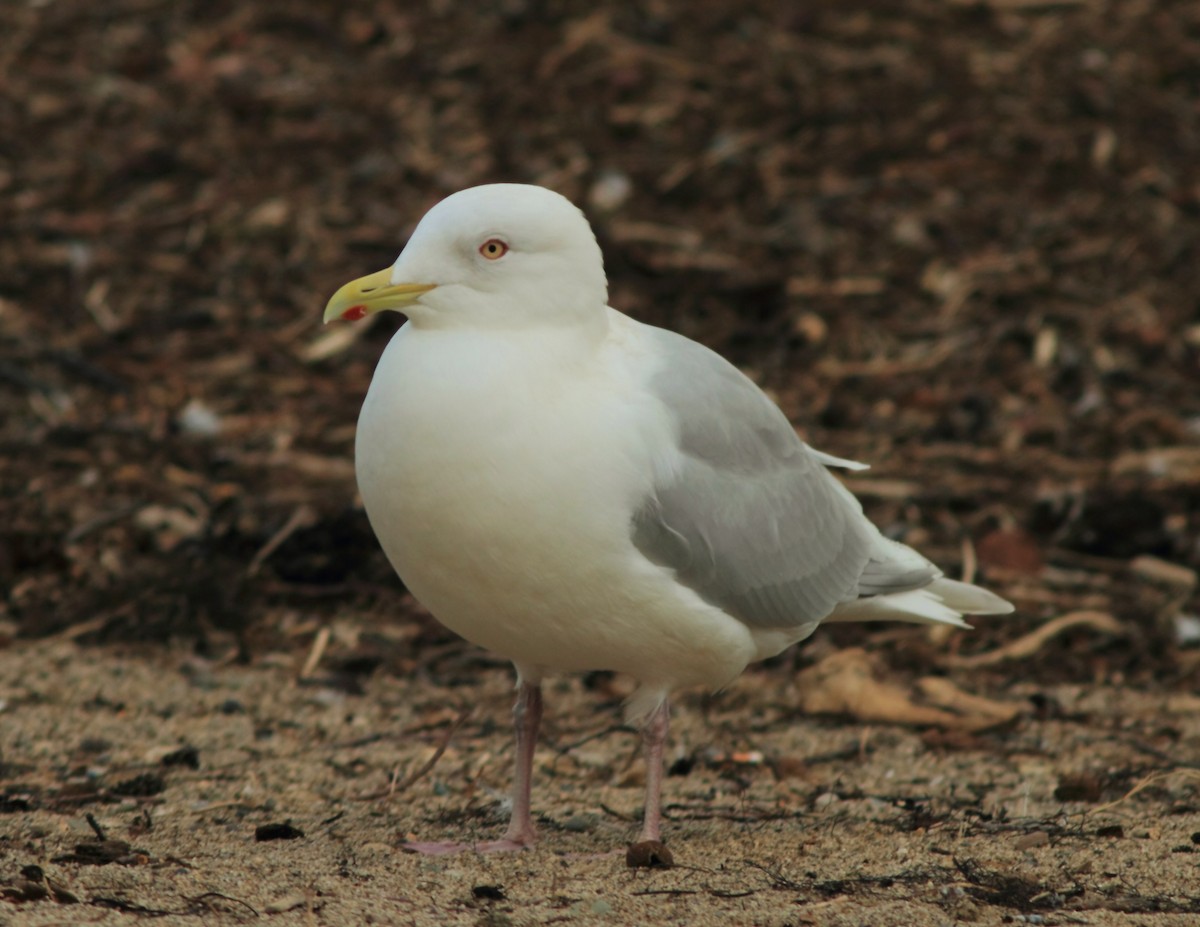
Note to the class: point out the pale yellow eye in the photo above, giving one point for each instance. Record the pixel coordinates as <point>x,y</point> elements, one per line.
<point>493,249</point>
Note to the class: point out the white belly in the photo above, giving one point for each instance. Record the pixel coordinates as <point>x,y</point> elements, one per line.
<point>502,491</point>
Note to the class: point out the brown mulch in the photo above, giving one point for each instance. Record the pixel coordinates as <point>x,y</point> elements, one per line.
<point>956,240</point>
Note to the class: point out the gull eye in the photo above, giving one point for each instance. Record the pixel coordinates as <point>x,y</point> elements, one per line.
<point>493,249</point>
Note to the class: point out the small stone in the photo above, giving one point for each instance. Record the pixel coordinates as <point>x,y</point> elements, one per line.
<point>824,800</point>
<point>25,890</point>
<point>1187,629</point>
<point>286,903</point>
<point>1039,838</point>
<point>1078,787</point>
<point>910,230</point>
<point>270,214</point>
<point>810,327</point>
<point>198,419</point>
<point>183,756</point>
<point>284,831</point>
<point>610,191</point>
<point>580,823</point>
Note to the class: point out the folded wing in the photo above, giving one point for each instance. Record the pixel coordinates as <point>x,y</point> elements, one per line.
<point>749,517</point>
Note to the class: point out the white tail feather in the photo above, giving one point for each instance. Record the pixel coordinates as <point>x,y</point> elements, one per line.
<point>944,601</point>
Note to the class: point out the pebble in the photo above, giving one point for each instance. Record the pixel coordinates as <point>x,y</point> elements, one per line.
<point>1187,629</point>
<point>198,419</point>
<point>610,191</point>
<point>286,903</point>
<point>580,823</point>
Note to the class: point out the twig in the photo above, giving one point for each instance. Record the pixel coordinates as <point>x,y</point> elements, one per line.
<point>95,826</point>
<point>778,879</point>
<point>1145,784</point>
<point>1031,643</point>
<point>302,517</point>
<point>71,632</point>
<point>620,816</point>
<point>320,642</point>
<point>425,767</point>
<point>199,900</point>
<point>611,729</point>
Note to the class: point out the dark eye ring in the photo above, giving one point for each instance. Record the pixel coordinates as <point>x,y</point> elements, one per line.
<point>493,249</point>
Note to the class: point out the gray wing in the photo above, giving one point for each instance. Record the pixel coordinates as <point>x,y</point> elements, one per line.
<point>751,519</point>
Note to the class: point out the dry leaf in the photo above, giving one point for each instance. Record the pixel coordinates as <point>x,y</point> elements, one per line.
<point>846,683</point>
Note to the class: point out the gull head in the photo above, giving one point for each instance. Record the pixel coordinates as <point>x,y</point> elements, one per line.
<point>496,256</point>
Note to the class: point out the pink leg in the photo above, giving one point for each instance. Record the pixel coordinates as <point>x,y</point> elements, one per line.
<point>654,736</point>
<point>649,852</point>
<point>527,715</point>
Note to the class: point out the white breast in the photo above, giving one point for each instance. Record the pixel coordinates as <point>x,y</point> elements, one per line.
<point>500,473</point>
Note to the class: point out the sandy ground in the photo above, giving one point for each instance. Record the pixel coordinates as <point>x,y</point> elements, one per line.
<point>839,823</point>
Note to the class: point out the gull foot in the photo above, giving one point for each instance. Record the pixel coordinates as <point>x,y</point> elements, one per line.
<point>648,854</point>
<point>449,847</point>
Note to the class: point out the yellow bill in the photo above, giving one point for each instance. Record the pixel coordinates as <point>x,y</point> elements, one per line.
<point>372,293</point>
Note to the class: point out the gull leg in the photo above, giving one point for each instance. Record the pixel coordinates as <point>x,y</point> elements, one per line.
<point>649,852</point>
<point>527,716</point>
<point>654,736</point>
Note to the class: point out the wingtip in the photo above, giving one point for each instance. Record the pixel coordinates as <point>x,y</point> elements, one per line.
<point>970,599</point>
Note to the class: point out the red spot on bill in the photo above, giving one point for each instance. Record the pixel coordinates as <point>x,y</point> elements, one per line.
<point>354,313</point>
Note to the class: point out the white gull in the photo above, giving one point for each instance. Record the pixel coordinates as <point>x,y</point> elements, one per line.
<point>575,490</point>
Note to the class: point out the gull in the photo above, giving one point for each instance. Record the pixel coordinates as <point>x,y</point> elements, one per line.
<point>575,490</point>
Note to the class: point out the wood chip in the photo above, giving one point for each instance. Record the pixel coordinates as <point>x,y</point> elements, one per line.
<point>1171,464</point>
<point>1160,571</point>
<point>945,694</point>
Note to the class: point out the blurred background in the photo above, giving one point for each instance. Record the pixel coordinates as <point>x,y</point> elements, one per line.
<point>955,239</point>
